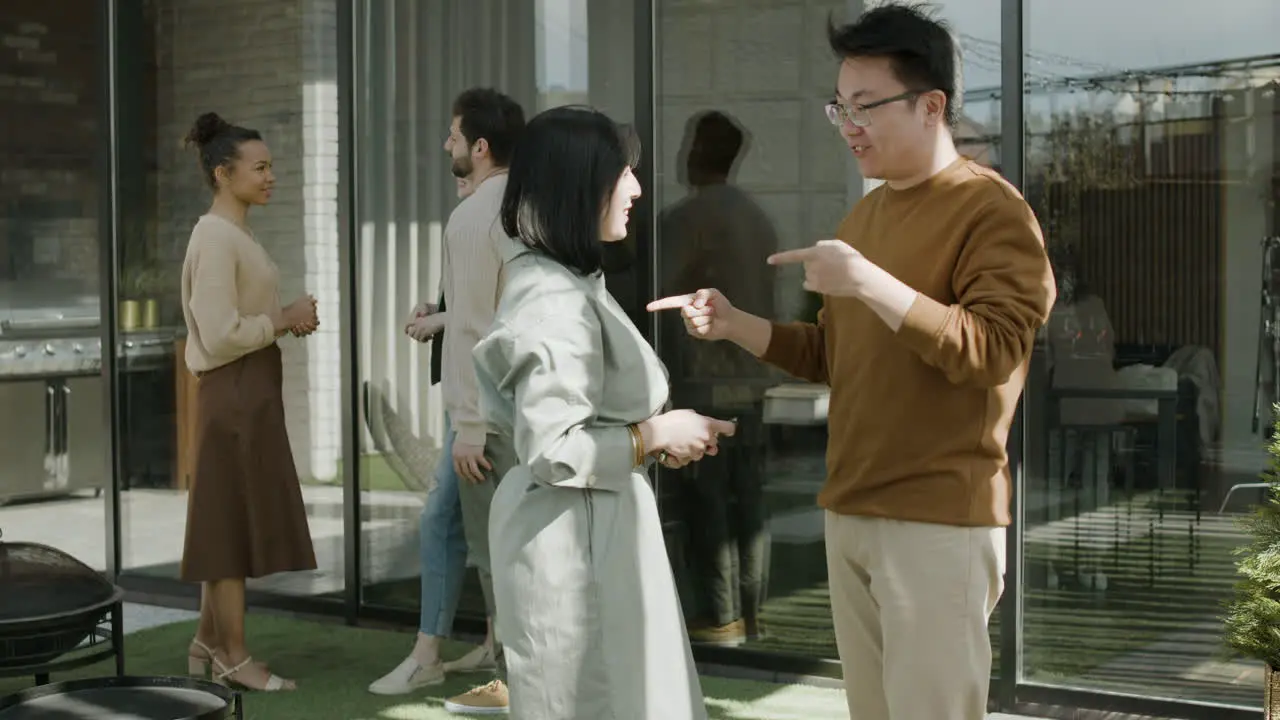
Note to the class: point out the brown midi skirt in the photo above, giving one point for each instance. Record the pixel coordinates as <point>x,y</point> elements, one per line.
<point>245,516</point>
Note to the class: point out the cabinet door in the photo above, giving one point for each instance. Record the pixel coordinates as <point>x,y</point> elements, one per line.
<point>24,424</point>
<point>86,433</point>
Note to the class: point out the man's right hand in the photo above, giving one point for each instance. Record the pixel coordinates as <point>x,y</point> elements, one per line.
<point>707,314</point>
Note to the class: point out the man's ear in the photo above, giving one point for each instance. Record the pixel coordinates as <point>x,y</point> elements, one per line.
<point>935,106</point>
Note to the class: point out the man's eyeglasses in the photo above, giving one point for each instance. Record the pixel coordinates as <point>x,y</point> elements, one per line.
<point>860,115</point>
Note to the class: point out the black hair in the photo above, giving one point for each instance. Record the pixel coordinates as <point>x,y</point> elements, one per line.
<point>218,142</point>
<point>717,140</point>
<point>488,114</point>
<point>920,48</point>
<point>562,176</point>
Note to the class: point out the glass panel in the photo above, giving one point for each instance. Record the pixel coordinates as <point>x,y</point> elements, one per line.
<point>744,86</point>
<point>53,465</point>
<point>766,69</point>
<point>414,58</point>
<point>1153,167</point>
<point>279,78</point>
<point>976,24</point>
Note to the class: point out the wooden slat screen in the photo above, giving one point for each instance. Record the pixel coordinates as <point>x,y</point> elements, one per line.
<point>1151,247</point>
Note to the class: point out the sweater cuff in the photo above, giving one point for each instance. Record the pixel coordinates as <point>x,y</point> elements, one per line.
<point>268,330</point>
<point>471,433</point>
<point>923,326</point>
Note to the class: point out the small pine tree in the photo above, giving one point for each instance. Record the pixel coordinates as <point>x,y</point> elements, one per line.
<point>1253,614</point>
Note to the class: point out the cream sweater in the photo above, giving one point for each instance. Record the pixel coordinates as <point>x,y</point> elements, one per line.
<point>472,279</point>
<point>230,288</point>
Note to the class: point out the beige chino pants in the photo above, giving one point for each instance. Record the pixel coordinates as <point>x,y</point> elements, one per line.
<point>911,603</point>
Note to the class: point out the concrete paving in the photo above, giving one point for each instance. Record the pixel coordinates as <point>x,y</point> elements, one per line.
<point>154,525</point>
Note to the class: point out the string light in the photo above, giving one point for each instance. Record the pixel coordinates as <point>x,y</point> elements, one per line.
<point>1244,75</point>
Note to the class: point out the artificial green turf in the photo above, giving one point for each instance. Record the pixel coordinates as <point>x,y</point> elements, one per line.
<point>333,664</point>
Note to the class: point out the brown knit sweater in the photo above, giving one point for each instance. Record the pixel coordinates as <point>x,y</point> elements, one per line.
<point>918,419</point>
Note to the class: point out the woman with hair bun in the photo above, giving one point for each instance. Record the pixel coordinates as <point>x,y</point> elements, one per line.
<point>245,516</point>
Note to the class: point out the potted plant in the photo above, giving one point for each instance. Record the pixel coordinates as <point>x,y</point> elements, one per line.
<point>140,287</point>
<point>1253,614</point>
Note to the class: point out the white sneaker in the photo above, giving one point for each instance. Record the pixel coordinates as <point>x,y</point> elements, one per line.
<point>480,658</point>
<point>408,676</point>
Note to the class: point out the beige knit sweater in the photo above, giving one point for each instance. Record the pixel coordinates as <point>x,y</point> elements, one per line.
<point>230,289</point>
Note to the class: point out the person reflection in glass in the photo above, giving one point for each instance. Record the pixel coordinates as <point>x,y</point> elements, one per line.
<point>719,237</point>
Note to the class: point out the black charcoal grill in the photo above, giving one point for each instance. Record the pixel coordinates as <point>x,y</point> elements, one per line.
<point>50,604</point>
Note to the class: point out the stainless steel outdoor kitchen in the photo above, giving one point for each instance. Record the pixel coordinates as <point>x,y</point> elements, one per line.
<point>51,386</point>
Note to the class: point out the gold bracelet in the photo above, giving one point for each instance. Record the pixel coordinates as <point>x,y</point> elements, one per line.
<point>637,445</point>
<point>631,434</point>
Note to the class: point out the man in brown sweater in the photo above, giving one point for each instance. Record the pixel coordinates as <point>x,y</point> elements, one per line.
<point>933,294</point>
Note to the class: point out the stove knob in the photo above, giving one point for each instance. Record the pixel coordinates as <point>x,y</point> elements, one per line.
<point>20,351</point>
<point>48,349</point>
<point>77,349</point>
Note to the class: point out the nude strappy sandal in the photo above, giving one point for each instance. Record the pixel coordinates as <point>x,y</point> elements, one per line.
<point>275,683</point>
<point>198,666</point>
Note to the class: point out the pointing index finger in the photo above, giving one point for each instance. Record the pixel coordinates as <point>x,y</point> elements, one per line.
<point>787,257</point>
<point>673,302</point>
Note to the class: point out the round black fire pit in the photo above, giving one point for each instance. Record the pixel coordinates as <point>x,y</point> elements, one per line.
<point>52,603</point>
<point>124,698</point>
<point>31,637</point>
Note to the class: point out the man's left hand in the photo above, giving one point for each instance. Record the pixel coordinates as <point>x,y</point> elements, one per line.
<point>424,327</point>
<point>831,267</point>
<point>468,461</point>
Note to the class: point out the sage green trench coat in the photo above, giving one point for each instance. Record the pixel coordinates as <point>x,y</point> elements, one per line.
<point>587,610</point>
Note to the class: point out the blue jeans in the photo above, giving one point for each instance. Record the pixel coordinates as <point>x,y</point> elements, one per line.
<point>443,547</point>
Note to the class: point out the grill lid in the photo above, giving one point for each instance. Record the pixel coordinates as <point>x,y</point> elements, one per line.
<point>44,582</point>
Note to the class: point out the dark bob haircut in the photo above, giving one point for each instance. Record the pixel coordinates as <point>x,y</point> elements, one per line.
<point>563,173</point>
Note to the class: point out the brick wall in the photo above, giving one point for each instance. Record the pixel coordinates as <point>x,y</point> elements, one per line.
<point>270,66</point>
<point>48,139</point>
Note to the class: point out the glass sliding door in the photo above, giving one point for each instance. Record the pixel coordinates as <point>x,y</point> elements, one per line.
<point>272,67</point>
<point>53,459</point>
<point>1152,162</point>
<point>740,93</point>
<point>412,60</point>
